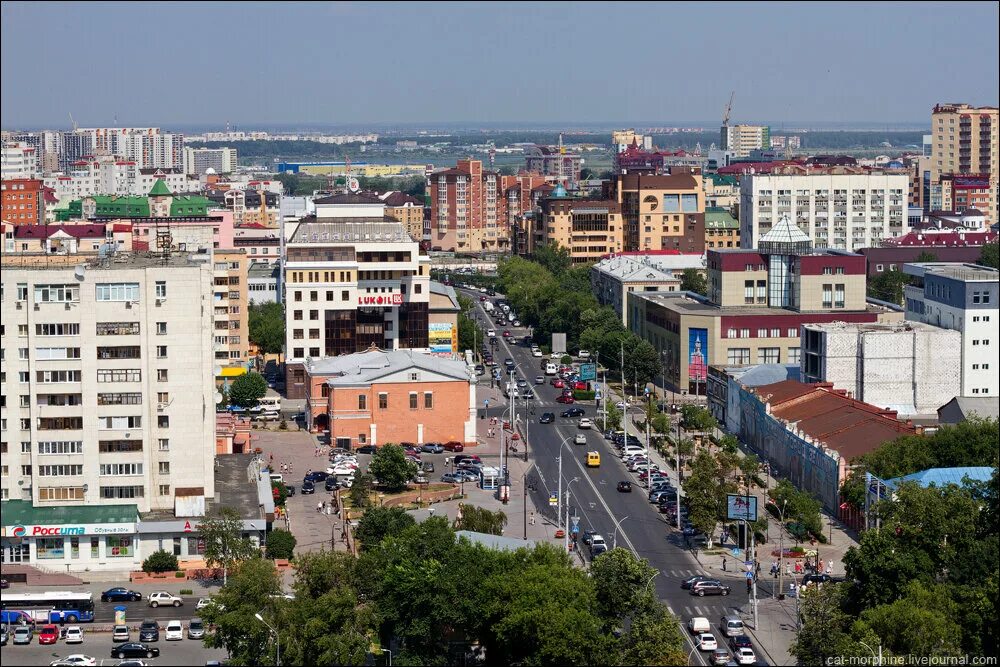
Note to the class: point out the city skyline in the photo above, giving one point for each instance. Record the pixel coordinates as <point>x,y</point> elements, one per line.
<point>324,65</point>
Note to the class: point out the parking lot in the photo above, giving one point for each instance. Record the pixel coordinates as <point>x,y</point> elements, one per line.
<point>98,645</point>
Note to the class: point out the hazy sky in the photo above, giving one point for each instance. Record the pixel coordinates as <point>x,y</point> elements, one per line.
<point>163,63</point>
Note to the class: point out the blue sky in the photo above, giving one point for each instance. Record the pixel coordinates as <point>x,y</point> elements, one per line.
<point>256,64</point>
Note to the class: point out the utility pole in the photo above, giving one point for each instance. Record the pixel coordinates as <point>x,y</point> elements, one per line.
<point>559,491</point>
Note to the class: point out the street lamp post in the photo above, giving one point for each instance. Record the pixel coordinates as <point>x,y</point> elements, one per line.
<point>566,532</point>
<point>277,638</point>
<point>674,410</point>
<point>781,543</point>
<point>614,536</point>
<point>385,650</point>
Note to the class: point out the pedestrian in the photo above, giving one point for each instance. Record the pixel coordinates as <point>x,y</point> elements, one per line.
<point>532,517</point>
<point>829,567</point>
<point>822,566</point>
<point>757,572</point>
<point>284,467</point>
<point>798,567</point>
<point>723,563</point>
<point>319,507</point>
<point>788,569</point>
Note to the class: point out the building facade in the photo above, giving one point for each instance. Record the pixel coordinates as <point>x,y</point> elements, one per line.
<point>964,141</point>
<point>146,146</point>
<point>838,207</point>
<point>741,139</point>
<point>555,164</point>
<point>230,311</point>
<point>908,367</point>
<point>588,228</point>
<point>406,210</point>
<point>614,278</point>
<point>23,201</point>
<point>18,161</point>
<point>962,297</point>
<point>722,230</point>
<point>198,161</point>
<point>661,211</point>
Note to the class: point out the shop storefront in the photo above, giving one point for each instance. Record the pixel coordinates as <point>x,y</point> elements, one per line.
<point>180,537</point>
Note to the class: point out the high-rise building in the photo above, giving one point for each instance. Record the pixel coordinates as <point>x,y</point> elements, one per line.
<point>661,211</point>
<point>146,146</point>
<point>18,160</point>
<point>230,310</point>
<point>23,201</point>
<point>838,207</point>
<point>198,161</point>
<point>622,139</point>
<point>964,141</point>
<point>741,139</point>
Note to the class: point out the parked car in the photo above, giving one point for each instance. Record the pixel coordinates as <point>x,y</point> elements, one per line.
<point>817,579</point>
<point>453,446</point>
<point>196,629</point>
<point>452,478</point>
<point>558,383</point>
<point>74,635</point>
<point>120,594</point>
<point>75,660</point>
<point>427,467</point>
<point>315,476</point>
<point>134,650</point>
<point>308,486</point>
<point>536,352</point>
<point>4,635</point>
<point>49,634</point>
<point>23,634</point>
<point>366,449</point>
<point>432,448</point>
<point>583,354</point>
<point>547,418</point>
<point>149,631</point>
<point>625,487</point>
<point>466,457</point>
<point>174,631</point>
<point>573,412</point>
<point>120,633</point>
<point>710,587</point>
<point>468,475</point>
<point>162,598</point>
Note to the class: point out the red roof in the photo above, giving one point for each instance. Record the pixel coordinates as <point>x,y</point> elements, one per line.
<point>656,252</point>
<point>45,231</point>
<point>939,239</point>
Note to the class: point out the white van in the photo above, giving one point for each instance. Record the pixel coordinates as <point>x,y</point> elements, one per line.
<point>698,625</point>
<point>551,368</point>
<point>731,626</point>
<point>269,403</point>
<point>632,450</point>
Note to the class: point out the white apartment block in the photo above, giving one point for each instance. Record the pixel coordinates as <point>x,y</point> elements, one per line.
<point>198,161</point>
<point>108,393</point>
<point>18,160</point>
<point>838,207</point>
<point>910,367</point>
<point>146,146</point>
<point>962,297</point>
<point>111,176</point>
<point>741,139</point>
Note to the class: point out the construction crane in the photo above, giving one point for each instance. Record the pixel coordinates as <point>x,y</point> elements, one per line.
<point>73,122</point>
<point>729,108</point>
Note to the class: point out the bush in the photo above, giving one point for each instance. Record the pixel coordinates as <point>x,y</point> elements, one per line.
<point>159,561</point>
<point>179,575</point>
<point>280,544</point>
<point>283,425</point>
<point>566,359</point>
<point>583,395</point>
<point>280,493</point>
<point>186,591</point>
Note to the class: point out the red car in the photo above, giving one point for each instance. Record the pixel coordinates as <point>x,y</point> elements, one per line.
<point>558,384</point>
<point>482,298</point>
<point>48,635</point>
<point>566,399</point>
<point>506,334</point>
<point>453,446</point>
<point>580,384</point>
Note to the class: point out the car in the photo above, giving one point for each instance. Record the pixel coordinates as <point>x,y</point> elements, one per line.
<point>331,483</point>
<point>133,662</point>
<point>491,333</point>
<point>539,379</point>
<point>174,631</point>
<point>315,476</point>
<point>432,448</point>
<point>120,633</point>
<point>710,587</point>
<point>621,405</point>
<point>738,642</point>
<point>745,656</point>
<point>202,603</point>
<point>49,634</point>
<point>558,383</point>
<point>73,635</point>
<point>568,400</point>
<point>506,333</point>
<point>583,354</point>
<point>468,475</point>
<point>366,449</point>
<point>706,642</point>
<point>482,298</point>
<point>573,412</point>
<point>522,383</point>
<point>149,631</point>
<point>480,369</point>
<point>420,479</point>
<point>451,478</point>
<point>720,656</point>
<point>134,650</point>
<point>23,634</point>
<point>466,457</point>
<point>584,423</point>
<point>654,496</point>
<point>580,439</point>
<point>4,635</point>
<point>4,584</point>
<point>196,629</point>
<point>547,418</point>
<point>163,598</point>
<point>120,595</point>
<point>625,487</point>
<point>76,659</point>
<point>691,581</point>
<point>536,352</point>
<point>308,487</point>
<point>516,323</point>
<point>427,466</point>
<point>817,579</point>
<point>453,446</point>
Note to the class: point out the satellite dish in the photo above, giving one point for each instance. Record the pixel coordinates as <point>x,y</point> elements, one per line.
<point>78,272</point>
<point>217,370</point>
<point>218,397</point>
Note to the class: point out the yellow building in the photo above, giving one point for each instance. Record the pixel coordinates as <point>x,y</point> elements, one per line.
<point>406,209</point>
<point>662,211</point>
<point>964,141</point>
<point>589,228</point>
<point>231,322</point>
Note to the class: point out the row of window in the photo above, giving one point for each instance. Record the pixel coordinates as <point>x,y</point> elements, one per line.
<point>66,293</point>
<point>790,332</point>
<point>740,356</point>
<point>383,401</point>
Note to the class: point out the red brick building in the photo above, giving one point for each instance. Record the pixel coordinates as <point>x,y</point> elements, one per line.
<point>23,201</point>
<point>377,397</point>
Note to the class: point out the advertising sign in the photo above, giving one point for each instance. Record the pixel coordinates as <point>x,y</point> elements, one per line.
<point>588,371</point>
<point>698,354</point>
<point>740,508</point>
<point>384,299</point>
<point>21,530</point>
<point>442,338</point>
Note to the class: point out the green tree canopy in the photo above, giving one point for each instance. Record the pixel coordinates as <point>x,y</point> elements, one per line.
<point>990,255</point>
<point>267,327</point>
<point>706,489</point>
<point>254,588</point>
<point>481,520</point>
<point>247,389</point>
<point>391,468</point>
<point>377,523</point>
<point>693,280</point>
<point>225,545</point>
<point>280,544</point>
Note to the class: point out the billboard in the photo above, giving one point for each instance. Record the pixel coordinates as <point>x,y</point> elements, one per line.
<point>588,371</point>
<point>740,508</point>
<point>698,355</point>
<point>442,338</point>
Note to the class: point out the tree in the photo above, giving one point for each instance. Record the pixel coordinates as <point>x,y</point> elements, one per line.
<point>642,362</point>
<point>824,630</point>
<point>377,523</point>
<point>990,255</point>
<point>267,327</point>
<point>926,256</point>
<point>622,583</point>
<point>888,286</point>
<point>693,280</point>
<point>247,389</point>
<point>706,489</point>
<point>254,588</point>
<point>480,520</point>
<point>279,492</point>
<point>160,561</point>
<point>974,442</point>
<point>614,416</point>
<point>800,508</point>
<point>225,545</point>
<point>391,468</point>
<point>280,544</point>
<point>553,257</point>
<point>653,638</point>
<point>697,418</point>
<point>361,490</point>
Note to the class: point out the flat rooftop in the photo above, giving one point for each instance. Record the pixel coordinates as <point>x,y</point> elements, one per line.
<point>683,303</point>
<point>349,230</point>
<point>233,489</point>
<point>142,259</point>
<point>957,270</point>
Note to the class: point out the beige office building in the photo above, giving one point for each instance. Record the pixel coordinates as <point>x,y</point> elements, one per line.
<point>964,141</point>
<point>230,307</point>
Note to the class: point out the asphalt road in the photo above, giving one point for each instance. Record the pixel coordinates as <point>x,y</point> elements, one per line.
<point>135,612</point>
<point>98,645</point>
<point>627,518</point>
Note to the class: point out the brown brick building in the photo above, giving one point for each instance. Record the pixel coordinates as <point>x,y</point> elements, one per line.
<point>23,201</point>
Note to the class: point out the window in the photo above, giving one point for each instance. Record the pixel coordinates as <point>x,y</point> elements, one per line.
<point>57,353</point>
<point>731,333</point>
<point>120,492</point>
<point>119,546</point>
<point>164,490</point>
<point>738,356</point>
<point>827,295</point>
<point>115,469</point>
<point>161,328</point>
<point>57,293</point>
<point>744,333</point>
<point>163,444</point>
<point>161,351</point>
<point>60,447</point>
<point>161,289</point>
<point>383,401</point>
<point>768,355</point>
<point>56,493</point>
<point>57,377</point>
<point>163,421</point>
<point>671,203</point>
<point>761,333</point>
<point>413,400</point>
<point>428,400</point>
<point>362,402</point>
<point>161,375</point>
<point>164,467</point>
<point>119,398</point>
<point>119,446</point>
<point>748,291</point>
<point>794,355</point>
<point>60,470</point>
<point>838,295</point>
<point>775,333</point>
<point>793,332</point>
<point>345,295</point>
<point>119,375</point>
<point>112,423</point>
<point>117,291</point>
<point>117,328</point>
<point>69,329</point>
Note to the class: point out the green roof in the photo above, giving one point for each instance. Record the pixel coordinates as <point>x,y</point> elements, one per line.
<point>720,218</point>
<point>160,189</point>
<point>23,513</point>
<point>720,179</point>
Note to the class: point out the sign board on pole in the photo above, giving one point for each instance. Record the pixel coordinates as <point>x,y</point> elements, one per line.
<point>741,508</point>
<point>749,575</point>
<point>553,501</point>
<point>588,371</point>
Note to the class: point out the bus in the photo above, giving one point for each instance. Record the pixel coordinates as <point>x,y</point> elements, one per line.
<point>47,607</point>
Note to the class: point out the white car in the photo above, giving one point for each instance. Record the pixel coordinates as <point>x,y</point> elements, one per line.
<point>78,659</point>
<point>583,354</point>
<point>745,656</point>
<point>174,632</point>
<point>585,422</point>
<point>202,603</point>
<point>706,641</point>
<point>163,598</point>
<point>536,352</point>
<point>621,405</point>
<point>492,333</point>
<point>74,635</point>
<point>580,439</point>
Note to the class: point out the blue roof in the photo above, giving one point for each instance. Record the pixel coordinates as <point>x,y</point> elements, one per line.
<point>943,476</point>
<point>765,374</point>
<point>559,191</point>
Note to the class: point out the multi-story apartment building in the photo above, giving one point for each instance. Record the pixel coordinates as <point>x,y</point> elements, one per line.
<point>964,141</point>
<point>107,386</point>
<point>721,191</point>
<point>110,176</point>
<point>465,208</point>
<point>18,161</point>
<point>555,164</point>
<point>352,280</point>
<point>962,297</point>
<point>406,210</point>
<point>661,211</point>
<point>588,228</point>
<point>146,146</point>
<point>758,301</point>
<point>838,207</point>
<point>198,161</point>
<point>967,192</point>
<point>612,279</point>
<point>622,139</point>
<point>741,139</point>
<point>230,310</point>
<point>722,230</point>
<point>22,201</point>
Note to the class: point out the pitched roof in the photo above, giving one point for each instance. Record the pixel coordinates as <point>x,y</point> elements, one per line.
<point>397,198</point>
<point>46,231</point>
<point>160,189</point>
<point>496,542</point>
<point>367,367</point>
<point>785,231</point>
<point>943,476</point>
